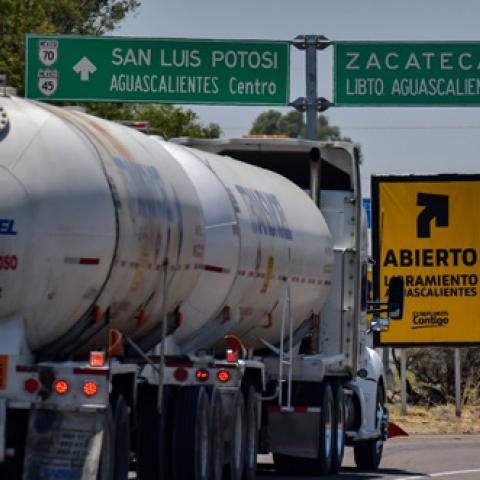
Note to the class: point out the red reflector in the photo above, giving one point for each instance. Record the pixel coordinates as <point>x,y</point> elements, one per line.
<point>213,268</point>
<point>61,387</point>
<point>90,371</point>
<point>25,369</point>
<point>223,376</point>
<point>181,374</point>
<point>97,359</point>
<point>89,261</point>
<point>90,388</point>
<point>31,385</point>
<point>202,375</point>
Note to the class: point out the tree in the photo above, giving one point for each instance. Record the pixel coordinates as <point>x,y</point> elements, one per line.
<point>167,121</point>
<point>266,123</point>
<point>18,17</point>
<point>86,17</point>
<point>293,125</point>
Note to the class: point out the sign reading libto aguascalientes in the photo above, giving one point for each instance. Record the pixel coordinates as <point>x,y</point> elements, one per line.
<point>407,73</point>
<point>236,72</point>
<point>425,229</point>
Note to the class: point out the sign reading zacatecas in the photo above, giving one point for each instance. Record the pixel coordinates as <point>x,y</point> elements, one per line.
<point>425,229</point>
<point>407,73</point>
<point>113,69</point>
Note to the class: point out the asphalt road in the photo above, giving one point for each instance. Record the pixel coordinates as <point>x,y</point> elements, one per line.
<point>413,458</point>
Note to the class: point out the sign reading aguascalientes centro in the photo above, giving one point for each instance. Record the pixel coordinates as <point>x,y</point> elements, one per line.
<point>425,229</point>
<point>114,69</point>
<point>407,73</point>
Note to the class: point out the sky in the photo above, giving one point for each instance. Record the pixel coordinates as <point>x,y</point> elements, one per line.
<point>394,140</point>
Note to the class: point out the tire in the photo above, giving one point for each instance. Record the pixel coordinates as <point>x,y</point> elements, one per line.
<point>368,454</point>
<point>191,435</point>
<point>154,434</point>
<point>121,429</point>
<point>236,440</point>
<point>107,455</point>
<point>16,435</point>
<point>251,433</point>
<point>339,429</point>
<point>327,417</point>
<point>287,465</point>
<point>217,445</point>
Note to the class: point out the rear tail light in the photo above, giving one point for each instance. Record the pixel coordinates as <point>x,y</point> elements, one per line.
<point>223,376</point>
<point>97,359</point>
<point>31,385</point>
<point>202,375</point>
<point>181,374</point>
<point>232,356</point>
<point>61,387</point>
<point>90,388</point>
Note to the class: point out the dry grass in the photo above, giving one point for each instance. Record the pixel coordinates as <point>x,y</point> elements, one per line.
<point>436,420</point>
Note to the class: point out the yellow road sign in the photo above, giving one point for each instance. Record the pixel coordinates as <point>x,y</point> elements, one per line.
<point>427,230</point>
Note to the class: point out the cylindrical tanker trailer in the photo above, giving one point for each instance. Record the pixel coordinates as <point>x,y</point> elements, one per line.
<point>173,311</point>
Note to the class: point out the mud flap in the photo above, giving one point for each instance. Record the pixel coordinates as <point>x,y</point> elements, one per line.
<point>295,434</point>
<point>63,445</point>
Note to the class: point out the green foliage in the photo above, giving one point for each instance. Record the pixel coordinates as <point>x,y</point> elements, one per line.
<point>86,17</point>
<point>266,123</point>
<point>167,121</point>
<point>18,17</point>
<point>293,125</point>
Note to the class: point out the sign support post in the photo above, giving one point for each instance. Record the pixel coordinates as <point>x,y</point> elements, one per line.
<point>311,85</point>
<point>403,379</point>
<point>311,104</point>
<point>458,378</point>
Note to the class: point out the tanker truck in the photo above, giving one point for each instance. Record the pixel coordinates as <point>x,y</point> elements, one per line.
<point>169,310</point>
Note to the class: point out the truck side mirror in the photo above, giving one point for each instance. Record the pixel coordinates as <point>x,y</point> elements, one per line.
<point>396,298</point>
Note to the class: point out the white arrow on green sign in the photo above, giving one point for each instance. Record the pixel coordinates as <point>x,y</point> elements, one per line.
<point>407,74</point>
<point>113,69</point>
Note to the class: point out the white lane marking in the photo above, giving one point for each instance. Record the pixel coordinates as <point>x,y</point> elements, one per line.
<point>440,474</point>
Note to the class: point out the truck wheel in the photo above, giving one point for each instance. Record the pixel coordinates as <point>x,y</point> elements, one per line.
<point>338,429</point>
<point>251,433</point>
<point>121,428</point>
<point>17,421</point>
<point>107,460</point>
<point>234,469</point>
<point>191,435</point>
<point>327,416</point>
<point>286,464</point>
<point>153,434</point>
<point>217,447</point>
<point>368,453</point>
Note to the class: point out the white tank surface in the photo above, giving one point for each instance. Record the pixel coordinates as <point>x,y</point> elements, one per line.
<point>94,217</point>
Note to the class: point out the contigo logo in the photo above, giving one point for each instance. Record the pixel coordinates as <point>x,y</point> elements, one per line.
<point>429,320</point>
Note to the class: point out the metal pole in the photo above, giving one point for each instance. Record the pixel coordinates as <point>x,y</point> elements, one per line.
<point>311,85</point>
<point>386,365</point>
<point>403,379</point>
<point>458,379</point>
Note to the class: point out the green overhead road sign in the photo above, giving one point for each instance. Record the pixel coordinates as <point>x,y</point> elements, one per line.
<point>113,69</point>
<point>407,74</point>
